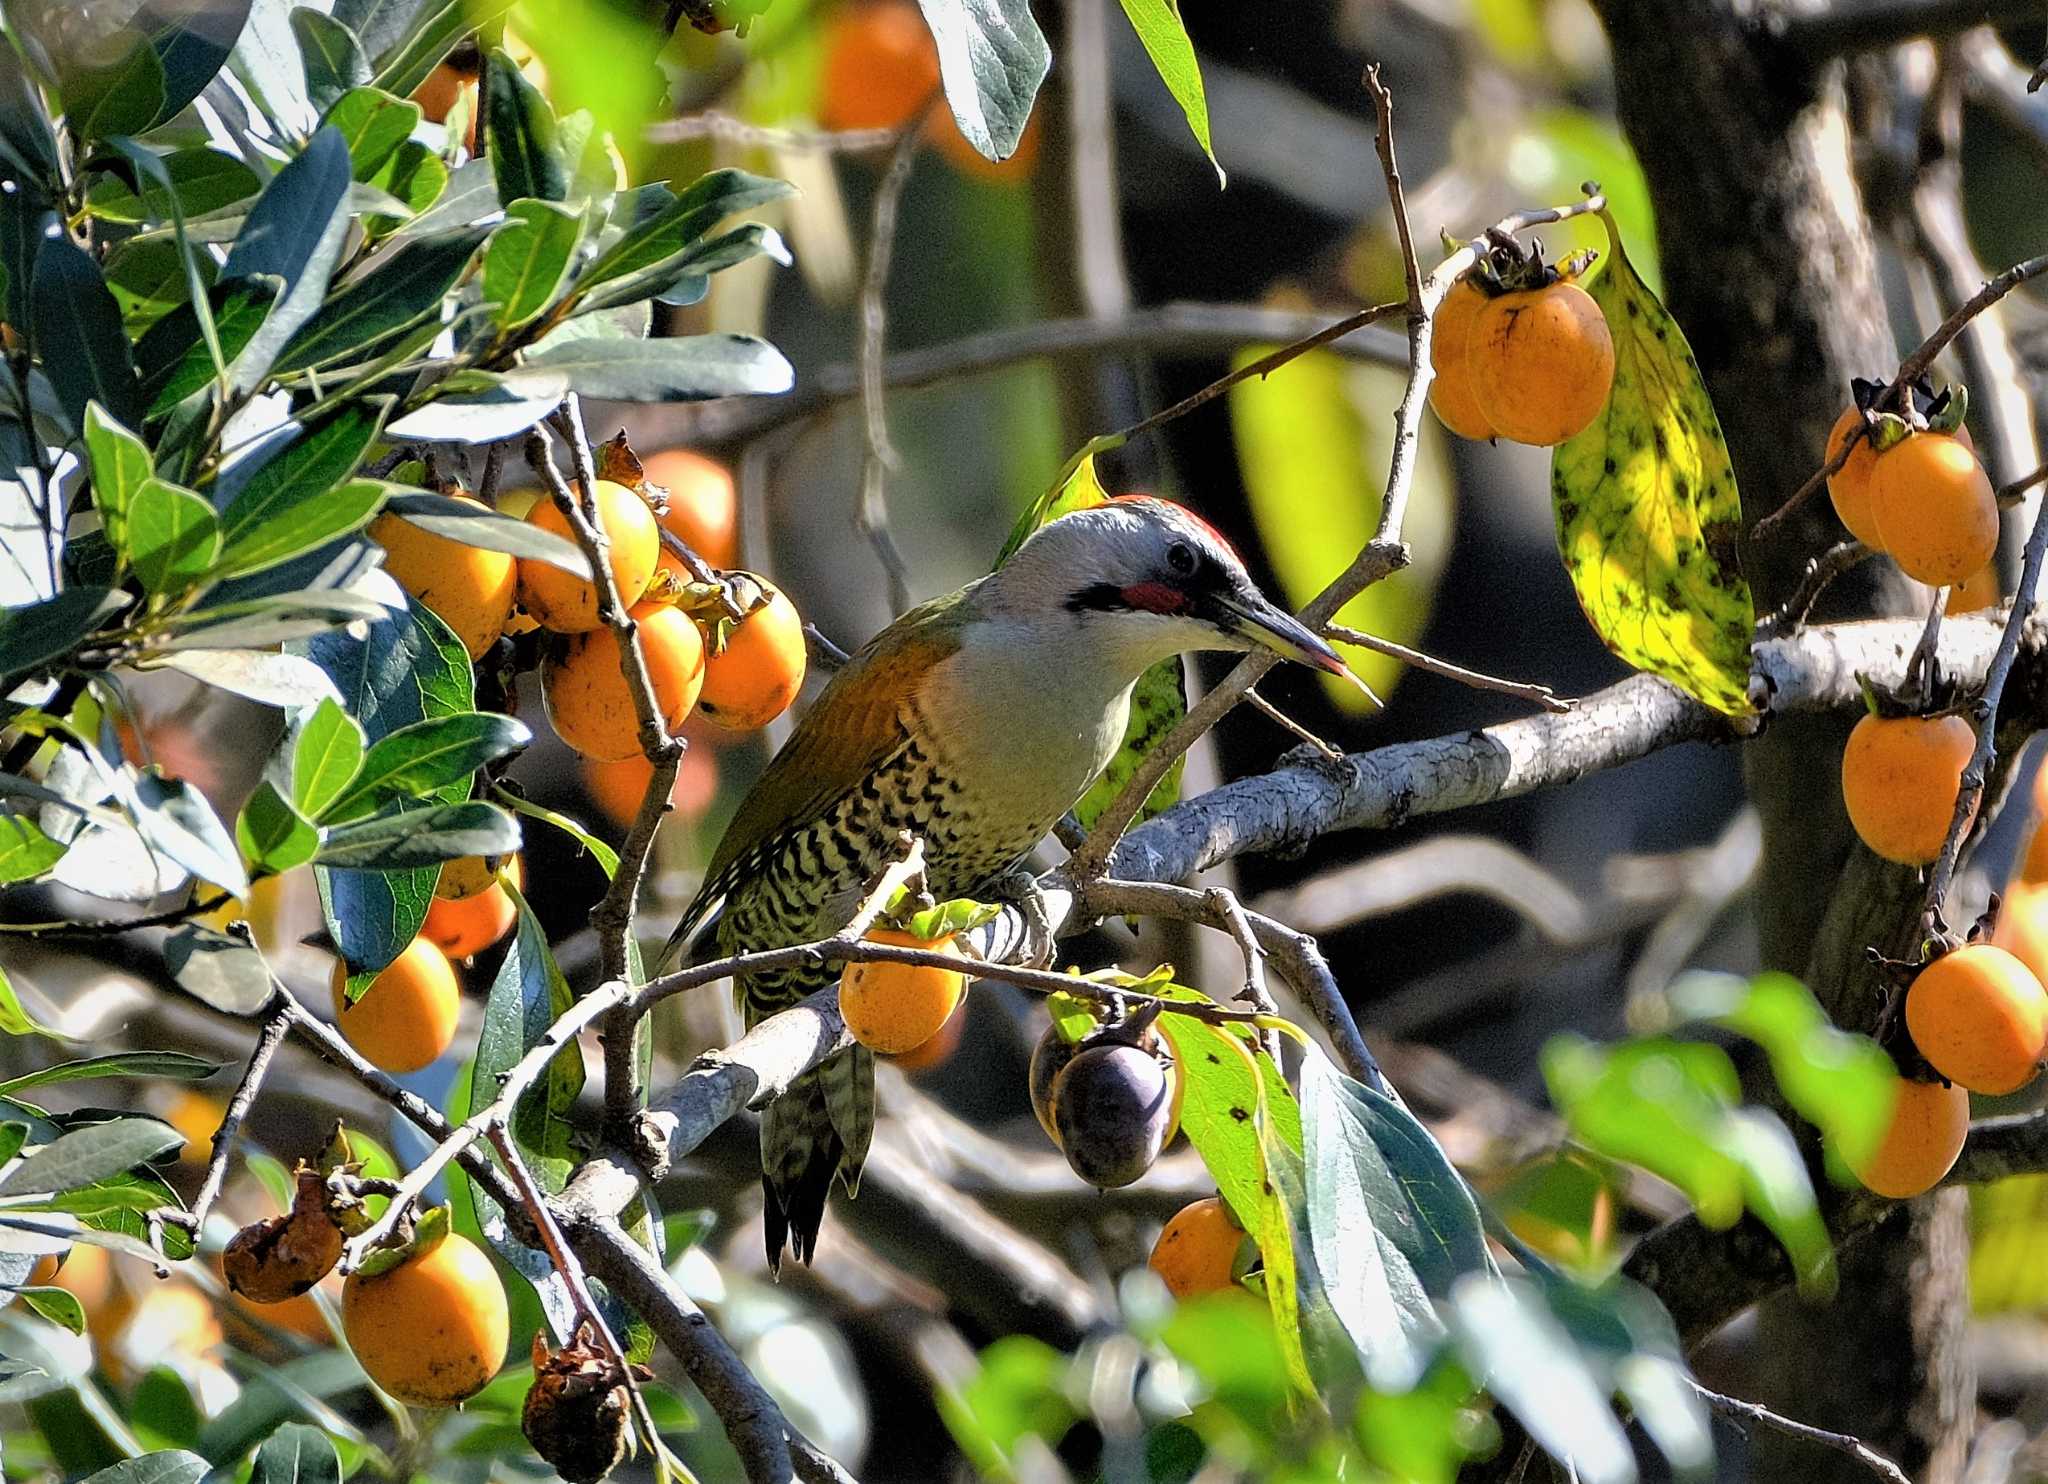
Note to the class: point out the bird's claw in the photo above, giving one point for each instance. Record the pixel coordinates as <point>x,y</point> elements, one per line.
<point>1019,888</point>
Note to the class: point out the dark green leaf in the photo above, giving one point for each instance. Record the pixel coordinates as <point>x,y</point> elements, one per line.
<point>373,125</point>
<point>258,622</point>
<point>520,130</point>
<point>218,969</point>
<point>436,27</point>
<point>12,1137</point>
<point>407,668</point>
<point>25,851</point>
<point>325,756</point>
<point>512,406</point>
<point>147,278</point>
<point>163,1410</point>
<point>33,635</point>
<point>363,317</point>
<point>305,526</point>
<point>333,58</point>
<point>992,58</point>
<point>194,47</point>
<point>125,98</point>
<point>273,836</point>
<point>26,140</point>
<point>172,537</point>
<point>78,329</point>
<point>307,469</point>
<point>86,1155</point>
<point>382,24</point>
<point>470,195</point>
<point>26,219</point>
<point>400,839</point>
<point>684,368</point>
<point>528,260</point>
<point>295,232</point>
<point>204,180</point>
<point>527,995</point>
<point>742,244</point>
<point>177,821</point>
<point>417,760</point>
<point>297,1454</point>
<point>459,520</point>
<point>174,1066</point>
<point>173,354</point>
<point>154,1468</point>
<point>414,177</point>
<point>653,245</point>
<point>58,1305</point>
<point>120,463</point>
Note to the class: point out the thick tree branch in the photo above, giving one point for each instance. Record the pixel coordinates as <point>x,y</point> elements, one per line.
<point>1846,26</point>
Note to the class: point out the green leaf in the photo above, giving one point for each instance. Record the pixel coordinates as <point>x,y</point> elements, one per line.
<point>528,260</point>
<point>1843,1083</point>
<point>528,994</point>
<point>295,232</point>
<point>1390,1223</point>
<point>15,1020</point>
<point>203,181</point>
<point>78,330</point>
<point>1159,26</point>
<point>606,857</point>
<point>176,360</point>
<point>1240,1124</point>
<point>333,58</point>
<point>520,129</point>
<point>177,821</point>
<point>125,98</point>
<point>306,526</point>
<point>1313,444</point>
<point>325,756</point>
<point>36,633</point>
<point>416,760</point>
<point>174,1066</point>
<point>992,58</point>
<point>273,836</point>
<point>415,176</point>
<point>1019,1390</point>
<point>406,668</point>
<point>86,1155</point>
<point>255,622</point>
<point>297,1454</point>
<point>148,280</point>
<point>362,318</point>
<point>373,124</point>
<point>176,1467</point>
<point>650,254</point>
<point>58,1305</point>
<point>683,368</point>
<point>25,851</point>
<point>281,511</point>
<point>1647,511</point>
<point>512,405</point>
<point>1671,1107</point>
<point>400,839</point>
<point>281,680</point>
<point>435,29</point>
<point>172,538</point>
<point>740,245</point>
<point>463,521</point>
<point>120,463</point>
<point>218,969</point>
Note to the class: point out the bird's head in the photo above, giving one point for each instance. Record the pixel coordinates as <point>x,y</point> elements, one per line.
<point>1145,579</point>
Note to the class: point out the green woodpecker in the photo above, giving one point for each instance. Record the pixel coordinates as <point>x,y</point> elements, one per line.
<point>974,721</point>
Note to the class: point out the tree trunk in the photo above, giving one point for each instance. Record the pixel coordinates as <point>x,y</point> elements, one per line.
<point>1769,267</point>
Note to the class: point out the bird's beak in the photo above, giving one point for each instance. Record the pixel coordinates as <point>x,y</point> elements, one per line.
<point>1268,627</point>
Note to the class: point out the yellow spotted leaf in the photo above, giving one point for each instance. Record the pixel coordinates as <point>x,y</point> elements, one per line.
<point>1160,698</point>
<point>1647,510</point>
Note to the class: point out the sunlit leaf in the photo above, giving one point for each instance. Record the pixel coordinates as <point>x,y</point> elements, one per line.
<point>1159,26</point>
<point>1647,510</point>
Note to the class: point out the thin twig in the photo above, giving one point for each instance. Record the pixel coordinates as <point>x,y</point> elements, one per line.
<point>1910,370</point>
<point>1923,668</point>
<point>1840,1442</point>
<point>612,918</point>
<point>197,907</point>
<point>1541,695</point>
<point>1290,726</point>
<point>823,651</point>
<point>512,1086</point>
<point>879,455</point>
<point>1978,773</point>
<point>1821,571</point>
<point>2010,494</point>
<point>494,471</point>
<point>712,124</point>
<point>1385,554</point>
<point>1230,915</point>
<point>275,1026</point>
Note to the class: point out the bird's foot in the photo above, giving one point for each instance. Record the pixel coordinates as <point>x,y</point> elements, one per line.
<point>1018,887</point>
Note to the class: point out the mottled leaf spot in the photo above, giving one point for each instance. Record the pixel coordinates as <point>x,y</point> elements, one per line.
<point>1647,509</point>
